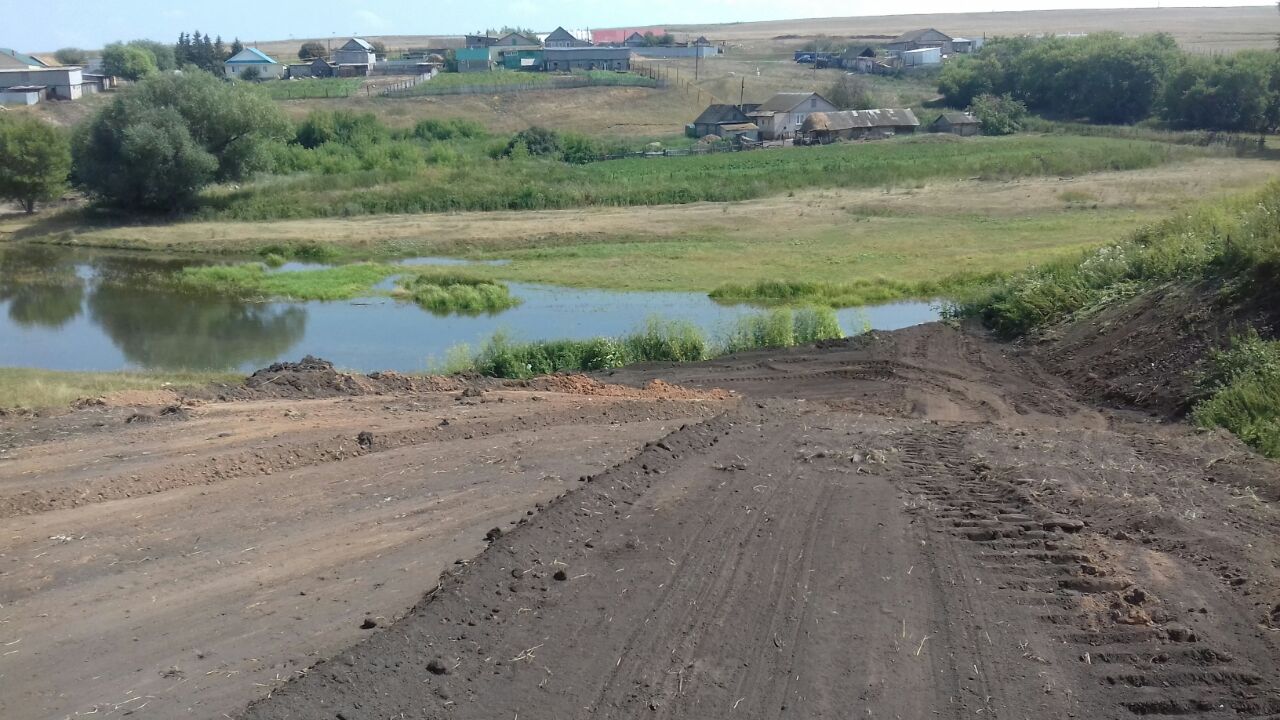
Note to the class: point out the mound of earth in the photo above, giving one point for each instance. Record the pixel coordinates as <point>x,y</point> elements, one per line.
<point>1144,352</point>
<point>314,377</point>
<point>654,389</point>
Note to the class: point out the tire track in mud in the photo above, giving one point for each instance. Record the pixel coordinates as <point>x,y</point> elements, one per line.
<point>1108,628</point>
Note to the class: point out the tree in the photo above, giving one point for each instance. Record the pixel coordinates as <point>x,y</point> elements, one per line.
<point>163,54</point>
<point>251,74</point>
<point>311,50</point>
<point>379,48</point>
<point>1000,114</point>
<point>71,56</point>
<point>536,141</point>
<point>236,48</point>
<point>127,61</point>
<point>35,159</point>
<point>1236,93</point>
<point>157,144</point>
<point>850,92</point>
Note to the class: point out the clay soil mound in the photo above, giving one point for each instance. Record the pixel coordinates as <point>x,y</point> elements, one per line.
<point>654,389</point>
<point>1144,353</point>
<point>314,377</point>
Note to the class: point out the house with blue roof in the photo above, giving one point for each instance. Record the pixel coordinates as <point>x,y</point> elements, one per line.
<point>267,66</point>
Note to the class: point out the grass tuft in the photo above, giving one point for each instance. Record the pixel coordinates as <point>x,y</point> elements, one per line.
<point>1241,386</point>
<point>32,389</point>
<point>451,292</point>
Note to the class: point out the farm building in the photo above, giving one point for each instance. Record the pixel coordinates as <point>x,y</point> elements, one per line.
<point>918,39</point>
<point>561,38</point>
<point>22,95</point>
<point>355,57</point>
<point>956,123</point>
<point>921,57</point>
<point>821,128</point>
<point>527,60</point>
<point>967,45</point>
<point>60,83</point>
<point>479,41</point>
<point>782,115</point>
<point>740,131</point>
<point>635,40</point>
<point>587,58</point>
<point>473,60</point>
<point>713,120</point>
<point>318,68</point>
<point>268,68</point>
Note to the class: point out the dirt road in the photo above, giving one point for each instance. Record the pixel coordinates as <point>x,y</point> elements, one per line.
<point>910,525</point>
<point>914,524</point>
<point>187,562</point>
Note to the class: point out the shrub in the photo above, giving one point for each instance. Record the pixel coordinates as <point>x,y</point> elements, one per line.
<point>1000,114</point>
<point>311,50</point>
<point>342,127</point>
<point>251,74</point>
<point>782,327</point>
<point>537,141</point>
<point>432,129</point>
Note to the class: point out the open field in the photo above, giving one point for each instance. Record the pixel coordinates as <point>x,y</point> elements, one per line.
<point>32,389</point>
<point>1206,29</point>
<point>835,234</point>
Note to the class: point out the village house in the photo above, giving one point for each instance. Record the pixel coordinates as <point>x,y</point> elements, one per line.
<point>956,123</point>
<point>14,60</point>
<point>781,116</point>
<point>635,40</point>
<point>356,57</point>
<point>821,128</point>
<point>479,41</point>
<point>561,38</point>
<point>918,39</point>
<point>516,40</point>
<point>267,66</point>
<point>473,59</point>
<point>713,120</point>
<point>318,68</point>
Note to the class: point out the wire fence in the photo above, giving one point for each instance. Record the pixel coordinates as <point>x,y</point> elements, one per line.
<point>529,83</point>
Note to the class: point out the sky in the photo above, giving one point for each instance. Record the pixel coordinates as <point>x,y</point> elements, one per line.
<point>90,24</point>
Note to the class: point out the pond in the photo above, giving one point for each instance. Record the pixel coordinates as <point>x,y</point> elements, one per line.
<point>78,309</point>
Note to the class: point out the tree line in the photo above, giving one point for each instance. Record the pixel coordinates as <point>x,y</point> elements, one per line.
<point>136,59</point>
<point>1111,79</point>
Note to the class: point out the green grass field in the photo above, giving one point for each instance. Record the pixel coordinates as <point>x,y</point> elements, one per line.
<point>465,182</point>
<point>32,389</point>
<point>500,80</point>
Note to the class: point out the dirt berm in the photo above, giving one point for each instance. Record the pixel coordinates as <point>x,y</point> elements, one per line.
<point>917,524</point>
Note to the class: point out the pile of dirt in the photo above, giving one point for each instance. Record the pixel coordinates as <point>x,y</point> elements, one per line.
<point>314,377</point>
<point>654,389</point>
<point>1145,352</point>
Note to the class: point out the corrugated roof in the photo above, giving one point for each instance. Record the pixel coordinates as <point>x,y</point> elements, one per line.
<point>915,35</point>
<point>850,119</point>
<point>740,127</point>
<point>251,55</point>
<point>23,58</point>
<point>787,101</point>
<point>720,114</point>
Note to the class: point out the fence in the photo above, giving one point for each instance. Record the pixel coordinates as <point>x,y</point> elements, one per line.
<point>401,88</point>
<point>543,82</point>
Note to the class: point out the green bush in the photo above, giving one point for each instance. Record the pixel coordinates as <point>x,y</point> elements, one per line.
<point>1000,114</point>
<point>1241,387</point>
<point>665,341</point>
<point>536,141</point>
<point>35,159</point>
<point>457,293</point>
<point>433,129</point>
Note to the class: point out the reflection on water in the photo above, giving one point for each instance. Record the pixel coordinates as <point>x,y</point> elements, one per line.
<point>77,309</point>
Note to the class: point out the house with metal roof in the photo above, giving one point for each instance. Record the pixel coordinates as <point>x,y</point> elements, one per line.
<point>956,123</point>
<point>561,38</point>
<point>517,40</point>
<point>821,128</point>
<point>356,57</point>
<point>14,60</point>
<point>781,116</point>
<point>918,39</point>
<point>267,66</point>
<point>564,59</point>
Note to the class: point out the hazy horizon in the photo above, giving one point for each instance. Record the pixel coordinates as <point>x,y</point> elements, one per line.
<point>44,28</point>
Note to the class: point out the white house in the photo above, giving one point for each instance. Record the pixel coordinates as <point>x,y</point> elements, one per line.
<point>268,68</point>
<point>782,115</point>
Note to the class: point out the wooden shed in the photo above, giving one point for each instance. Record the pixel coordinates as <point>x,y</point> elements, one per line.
<point>956,123</point>
<point>822,128</point>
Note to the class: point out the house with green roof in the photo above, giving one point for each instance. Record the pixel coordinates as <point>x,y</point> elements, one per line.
<point>267,66</point>
<point>14,60</point>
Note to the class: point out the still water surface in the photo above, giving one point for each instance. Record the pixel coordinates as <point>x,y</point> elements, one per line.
<point>75,309</point>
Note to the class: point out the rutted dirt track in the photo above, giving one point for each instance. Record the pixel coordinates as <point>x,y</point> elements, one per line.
<point>915,524</point>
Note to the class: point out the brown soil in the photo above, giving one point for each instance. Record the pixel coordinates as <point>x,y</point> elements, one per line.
<point>914,524</point>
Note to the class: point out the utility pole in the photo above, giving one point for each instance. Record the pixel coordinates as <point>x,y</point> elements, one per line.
<point>742,92</point>
<point>697,57</point>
